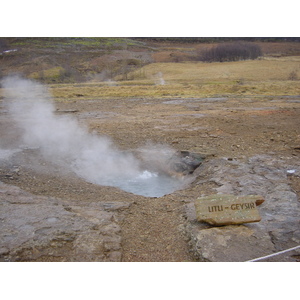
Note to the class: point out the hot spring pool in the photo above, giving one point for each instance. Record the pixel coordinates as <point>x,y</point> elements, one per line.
<point>147,184</point>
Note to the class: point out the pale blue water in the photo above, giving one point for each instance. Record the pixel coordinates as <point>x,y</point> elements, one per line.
<point>147,184</point>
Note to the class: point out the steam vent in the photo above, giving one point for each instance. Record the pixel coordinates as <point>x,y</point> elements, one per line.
<point>164,173</point>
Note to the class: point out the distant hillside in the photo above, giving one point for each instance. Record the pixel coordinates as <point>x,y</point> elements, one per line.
<point>80,59</point>
<point>218,39</point>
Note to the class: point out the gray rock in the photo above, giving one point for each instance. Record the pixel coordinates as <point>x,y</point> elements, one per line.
<point>232,244</point>
<point>38,228</point>
<point>265,175</point>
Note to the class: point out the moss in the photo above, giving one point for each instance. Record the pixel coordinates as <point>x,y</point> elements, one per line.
<point>90,42</point>
<point>53,74</point>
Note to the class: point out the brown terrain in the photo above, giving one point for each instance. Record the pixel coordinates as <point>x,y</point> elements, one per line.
<point>231,126</point>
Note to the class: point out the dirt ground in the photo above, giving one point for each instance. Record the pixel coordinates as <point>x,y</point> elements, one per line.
<point>218,127</point>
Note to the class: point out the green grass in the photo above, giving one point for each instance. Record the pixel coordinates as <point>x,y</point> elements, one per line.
<point>49,74</point>
<point>93,42</point>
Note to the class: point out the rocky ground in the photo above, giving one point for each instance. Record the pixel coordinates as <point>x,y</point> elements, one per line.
<point>251,144</point>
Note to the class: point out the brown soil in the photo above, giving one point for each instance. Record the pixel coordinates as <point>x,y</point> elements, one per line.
<point>231,127</point>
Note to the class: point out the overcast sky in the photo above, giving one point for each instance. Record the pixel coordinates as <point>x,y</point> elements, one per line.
<point>149,18</point>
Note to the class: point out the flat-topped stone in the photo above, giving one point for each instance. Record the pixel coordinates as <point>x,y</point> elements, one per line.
<point>228,209</point>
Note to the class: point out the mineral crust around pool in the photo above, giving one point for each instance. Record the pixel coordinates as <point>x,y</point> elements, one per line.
<point>228,209</point>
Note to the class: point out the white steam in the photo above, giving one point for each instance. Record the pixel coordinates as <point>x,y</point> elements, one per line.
<point>61,138</point>
<point>63,141</point>
<point>159,79</point>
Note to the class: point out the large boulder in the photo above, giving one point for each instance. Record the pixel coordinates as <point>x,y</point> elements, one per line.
<point>39,228</point>
<point>232,243</point>
<point>278,229</point>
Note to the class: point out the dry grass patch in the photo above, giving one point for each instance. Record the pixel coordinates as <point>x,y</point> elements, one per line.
<point>72,92</point>
<point>265,76</point>
<point>250,70</point>
<point>271,76</point>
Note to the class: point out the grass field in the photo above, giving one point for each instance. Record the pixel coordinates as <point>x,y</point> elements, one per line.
<point>269,76</point>
<point>198,72</point>
<point>78,67</point>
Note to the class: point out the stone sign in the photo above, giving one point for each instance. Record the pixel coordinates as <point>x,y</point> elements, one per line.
<point>228,209</point>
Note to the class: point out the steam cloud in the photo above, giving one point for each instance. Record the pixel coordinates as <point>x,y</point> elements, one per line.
<point>62,140</point>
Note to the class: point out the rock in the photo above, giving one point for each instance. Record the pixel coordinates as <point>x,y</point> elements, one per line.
<point>265,175</point>
<point>170,162</point>
<point>232,244</point>
<point>185,162</point>
<point>39,228</point>
<point>228,209</point>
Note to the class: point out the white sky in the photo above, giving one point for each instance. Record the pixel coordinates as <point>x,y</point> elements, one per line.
<point>149,18</point>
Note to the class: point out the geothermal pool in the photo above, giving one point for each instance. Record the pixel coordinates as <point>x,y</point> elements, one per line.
<point>147,184</point>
